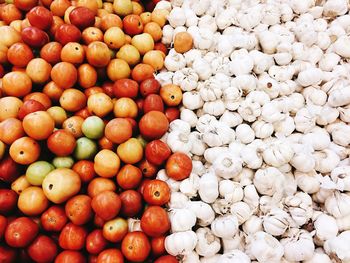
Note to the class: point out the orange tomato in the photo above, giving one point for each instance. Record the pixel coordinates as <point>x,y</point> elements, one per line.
<point>106,163</point>
<point>38,125</point>
<point>24,150</point>
<point>16,84</point>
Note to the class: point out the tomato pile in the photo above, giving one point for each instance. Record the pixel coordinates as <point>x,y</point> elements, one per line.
<point>81,118</point>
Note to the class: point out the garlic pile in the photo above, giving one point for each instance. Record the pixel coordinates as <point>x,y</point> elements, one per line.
<point>265,119</point>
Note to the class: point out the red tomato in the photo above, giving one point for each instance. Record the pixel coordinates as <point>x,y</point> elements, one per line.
<point>82,17</point>
<point>131,203</point>
<point>125,88</point>
<point>157,152</point>
<point>21,232</point>
<point>167,259</point>
<point>132,25</point>
<point>155,221</point>
<point>42,249</point>
<point>129,177</point>
<point>158,247</point>
<point>7,254</point>
<point>3,225</point>
<point>67,33</point>
<point>172,113</point>
<point>54,219</point>
<point>68,256</point>
<point>108,88</point>
<point>153,125</point>
<point>40,17</point>
<point>9,169</point>
<point>153,102</point>
<point>85,169</point>
<point>78,209</point>
<point>8,201</point>
<point>136,246</point>
<point>149,86</point>
<point>30,106</point>
<point>106,205</point>
<point>148,169</point>
<point>111,255</point>
<point>95,242</point>
<point>61,143</point>
<point>34,36</point>
<point>156,192</point>
<point>72,237</point>
<point>178,166</point>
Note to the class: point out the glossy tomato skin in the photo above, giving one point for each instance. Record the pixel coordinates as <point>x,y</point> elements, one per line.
<point>148,169</point>
<point>132,25</point>
<point>172,113</point>
<point>155,221</point>
<point>42,249</point>
<point>40,17</point>
<point>149,86</point>
<point>54,219</point>
<point>178,166</point>
<point>9,169</point>
<point>166,259</point>
<point>115,230</point>
<point>85,169</point>
<point>136,246</point>
<point>8,201</point>
<point>129,177</point>
<point>95,242</point>
<point>82,17</point>
<point>61,143</point>
<point>153,125</point>
<point>111,255</point>
<point>21,232</point>
<point>157,152</point>
<point>72,237</point>
<point>131,203</point>
<point>34,37</point>
<point>30,106</point>
<point>106,205</point>
<point>67,33</point>
<point>70,256</point>
<point>156,192</point>
<point>78,209</point>
<point>125,88</point>
<point>153,102</point>
<point>158,246</point>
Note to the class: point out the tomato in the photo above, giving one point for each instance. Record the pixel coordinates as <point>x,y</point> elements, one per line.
<point>8,200</point>
<point>51,52</point>
<point>132,25</point>
<point>171,94</point>
<point>106,163</point>
<point>131,151</point>
<point>16,83</point>
<point>72,99</point>
<point>99,185</point>
<point>25,5</point>
<point>136,246</point>
<point>115,229</point>
<point>125,108</point>
<point>87,76</point>
<point>7,254</point>
<point>118,130</point>
<point>24,150</point>
<point>82,17</point>
<point>9,169</point>
<point>178,166</point>
<point>111,255</point>
<point>42,249</point>
<point>72,237</point>
<point>131,203</point>
<point>154,30</point>
<point>106,205</point>
<point>158,247</point>
<point>85,169</point>
<point>3,225</point>
<point>9,13</point>
<point>54,219</point>
<point>125,88</point>
<point>38,125</point>
<point>64,74</point>
<point>155,221</point>
<point>21,232</point>
<point>172,113</point>
<point>61,143</point>
<point>156,192</point>
<point>78,209</point>
<point>141,72</point>
<point>73,52</point>
<point>166,259</point>
<point>19,54</point>
<point>32,201</point>
<point>98,54</point>
<point>129,177</point>
<point>100,104</point>
<point>34,37</point>
<point>161,47</point>
<point>69,256</point>
<point>153,125</point>
<point>40,17</point>
<point>148,169</point>
<point>114,37</point>
<point>111,20</point>
<point>66,33</point>
<point>95,242</point>
<point>91,34</point>
<point>30,106</point>
<point>157,152</point>
<point>153,102</point>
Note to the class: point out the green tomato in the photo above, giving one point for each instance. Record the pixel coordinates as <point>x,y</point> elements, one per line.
<point>85,149</point>
<point>63,162</point>
<point>93,127</point>
<point>36,172</point>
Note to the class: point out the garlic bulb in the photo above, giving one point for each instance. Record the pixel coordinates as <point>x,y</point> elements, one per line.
<point>338,204</point>
<point>208,244</point>
<point>299,207</point>
<point>230,190</point>
<point>225,226</point>
<point>298,246</point>
<point>234,256</point>
<point>180,243</point>
<point>208,187</point>
<point>252,225</point>
<point>182,219</point>
<point>241,210</point>
<point>134,225</point>
<point>326,227</point>
<point>227,165</point>
<point>339,247</point>
<point>276,222</point>
<point>203,212</point>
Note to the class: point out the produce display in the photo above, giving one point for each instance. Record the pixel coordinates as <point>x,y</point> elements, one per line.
<point>175,131</point>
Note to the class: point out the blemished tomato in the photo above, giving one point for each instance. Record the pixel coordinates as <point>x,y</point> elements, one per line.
<point>78,209</point>
<point>157,152</point>
<point>132,25</point>
<point>129,177</point>
<point>95,242</point>
<point>8,201</point>
<point>32,201</point>
<point>19,54</point>
<point>148,169</point>
<point>66,33</point>
<point>153,102</point>
<point>73,125</point>
<point>70,256</point>
<point>40,17</point>
<point>106,205</point>
<point>158,247</point>
<point>61,143</point>
<point>111,255</point>
<point>24,150</point>
<point>171,94</point>
<point>136,246</point>
<point>166,259</point>
<point>155,221</point>
<point>178,166</point>
<point>42,249</point>
<point>153,125</point>
<point>29,106</point>
<point>156,192</point>
<point>72,237</point>
<point>131,203</point>
<point>82,17</point>
<point>85,169</point>
<point>54,219</point>
<point>21,232</point>
<point>172,113</point>
<point>125,88</point>
<point>115,229</point>
<point>99,185</point>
